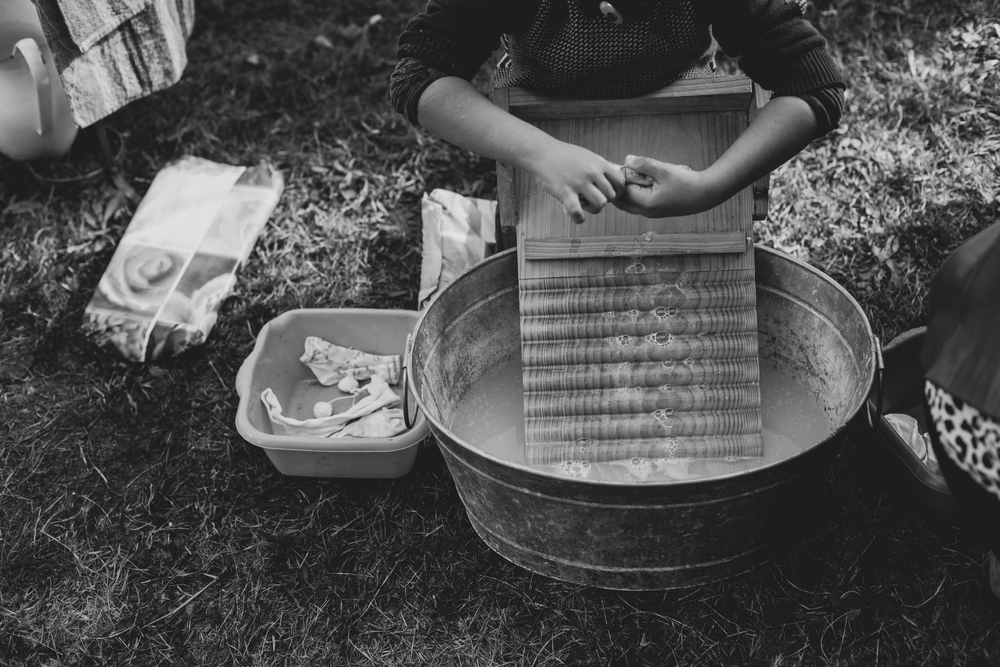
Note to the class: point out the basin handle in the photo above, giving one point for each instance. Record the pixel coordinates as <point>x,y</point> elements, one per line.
<point>43,84</point>
<point>406,384</point>
<point>879,385</point>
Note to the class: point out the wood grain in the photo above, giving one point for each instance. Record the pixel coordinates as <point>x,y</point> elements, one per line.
<point>568,377</point>
<point>704,447</point>
<point>626,274</point>
<point>644,245</point>
<point>623,348</point>
<point>638,334</point>
<point>622,299</point>
<point>623,400</point>
<point>634,425</point>
<point>722,93</point>
<point>506,206</point>
<point>637,323</point>
<point>761,187</point>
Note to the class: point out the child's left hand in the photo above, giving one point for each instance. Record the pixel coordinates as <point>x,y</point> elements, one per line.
<point>676,190</point>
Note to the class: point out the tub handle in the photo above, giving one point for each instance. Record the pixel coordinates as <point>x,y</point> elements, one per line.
<point>879,387</point>
<point>406,384</point>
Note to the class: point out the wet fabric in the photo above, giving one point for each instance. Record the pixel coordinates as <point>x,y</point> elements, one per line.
<point>331,363</point>
<point>374,397</point>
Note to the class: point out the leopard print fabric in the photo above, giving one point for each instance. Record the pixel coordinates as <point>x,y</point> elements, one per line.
<point>970,438</point>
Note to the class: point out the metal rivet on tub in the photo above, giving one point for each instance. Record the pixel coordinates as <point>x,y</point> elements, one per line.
<point>610,13</point>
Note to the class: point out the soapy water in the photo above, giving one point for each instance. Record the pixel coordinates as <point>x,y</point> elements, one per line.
<point>491,418</point>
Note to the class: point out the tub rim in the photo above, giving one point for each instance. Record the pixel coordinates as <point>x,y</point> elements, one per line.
<point>861,398</point>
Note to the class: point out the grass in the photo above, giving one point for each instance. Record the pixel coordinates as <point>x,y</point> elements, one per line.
<point>137,527</point>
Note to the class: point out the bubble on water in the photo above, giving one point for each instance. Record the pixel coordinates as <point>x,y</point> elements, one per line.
<point>702,386</point>
<point>633,315</point>
<point>665,312</point>
<point>684,280</point>
<point>574,468</point>
<point>611,315</point>
<point>689,362</point>
<point>666,465</point>
<point>666,387</point>
<point>731,459</point>
<point>670,444</point>
<point>660,338</point>
<point>637,465</point>
<point>622,340</point>
<point>613,271</point>
<point>666,419</point>
<point>636,267</point>
<point>669,363</point>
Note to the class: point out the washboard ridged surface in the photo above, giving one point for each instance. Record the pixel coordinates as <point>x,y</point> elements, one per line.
<point>638,336</point>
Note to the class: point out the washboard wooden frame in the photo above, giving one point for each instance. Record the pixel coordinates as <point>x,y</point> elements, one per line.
<point>638,336</point>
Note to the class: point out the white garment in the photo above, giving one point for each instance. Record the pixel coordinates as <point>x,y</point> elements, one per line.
<point>375,396</point>
<point>331,363</point>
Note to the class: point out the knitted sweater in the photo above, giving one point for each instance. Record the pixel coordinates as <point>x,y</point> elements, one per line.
<point>568,46</point>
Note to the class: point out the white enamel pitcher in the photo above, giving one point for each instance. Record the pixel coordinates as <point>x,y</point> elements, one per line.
<point>35,119</point>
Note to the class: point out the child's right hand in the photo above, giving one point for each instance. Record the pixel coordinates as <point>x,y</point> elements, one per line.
<point>580,179</point>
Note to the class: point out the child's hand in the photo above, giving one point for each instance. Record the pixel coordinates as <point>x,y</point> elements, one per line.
<point>580,179</point>
<point>676,190</point>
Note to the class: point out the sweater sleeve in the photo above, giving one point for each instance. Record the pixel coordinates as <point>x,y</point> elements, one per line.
<point>779,49</point>
<point>449,38</point>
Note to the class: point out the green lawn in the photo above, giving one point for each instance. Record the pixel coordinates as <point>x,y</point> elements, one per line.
<point>137,527</point>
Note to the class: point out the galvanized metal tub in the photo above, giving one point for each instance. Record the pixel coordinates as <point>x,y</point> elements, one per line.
<point>640,536</point>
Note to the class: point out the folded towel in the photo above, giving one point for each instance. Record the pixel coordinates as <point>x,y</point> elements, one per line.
<point>90,21</point>
<point>383,423</point>
<point>112,52</point>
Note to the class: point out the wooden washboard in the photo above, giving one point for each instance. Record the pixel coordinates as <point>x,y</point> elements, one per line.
<point>638,335</point>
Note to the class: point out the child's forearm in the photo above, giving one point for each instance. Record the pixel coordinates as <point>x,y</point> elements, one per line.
<point>783,127</point>
<point>454,110</point>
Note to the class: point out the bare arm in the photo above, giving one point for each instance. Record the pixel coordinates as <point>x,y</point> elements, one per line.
<point>454,110</point>
<point>784,126</point>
